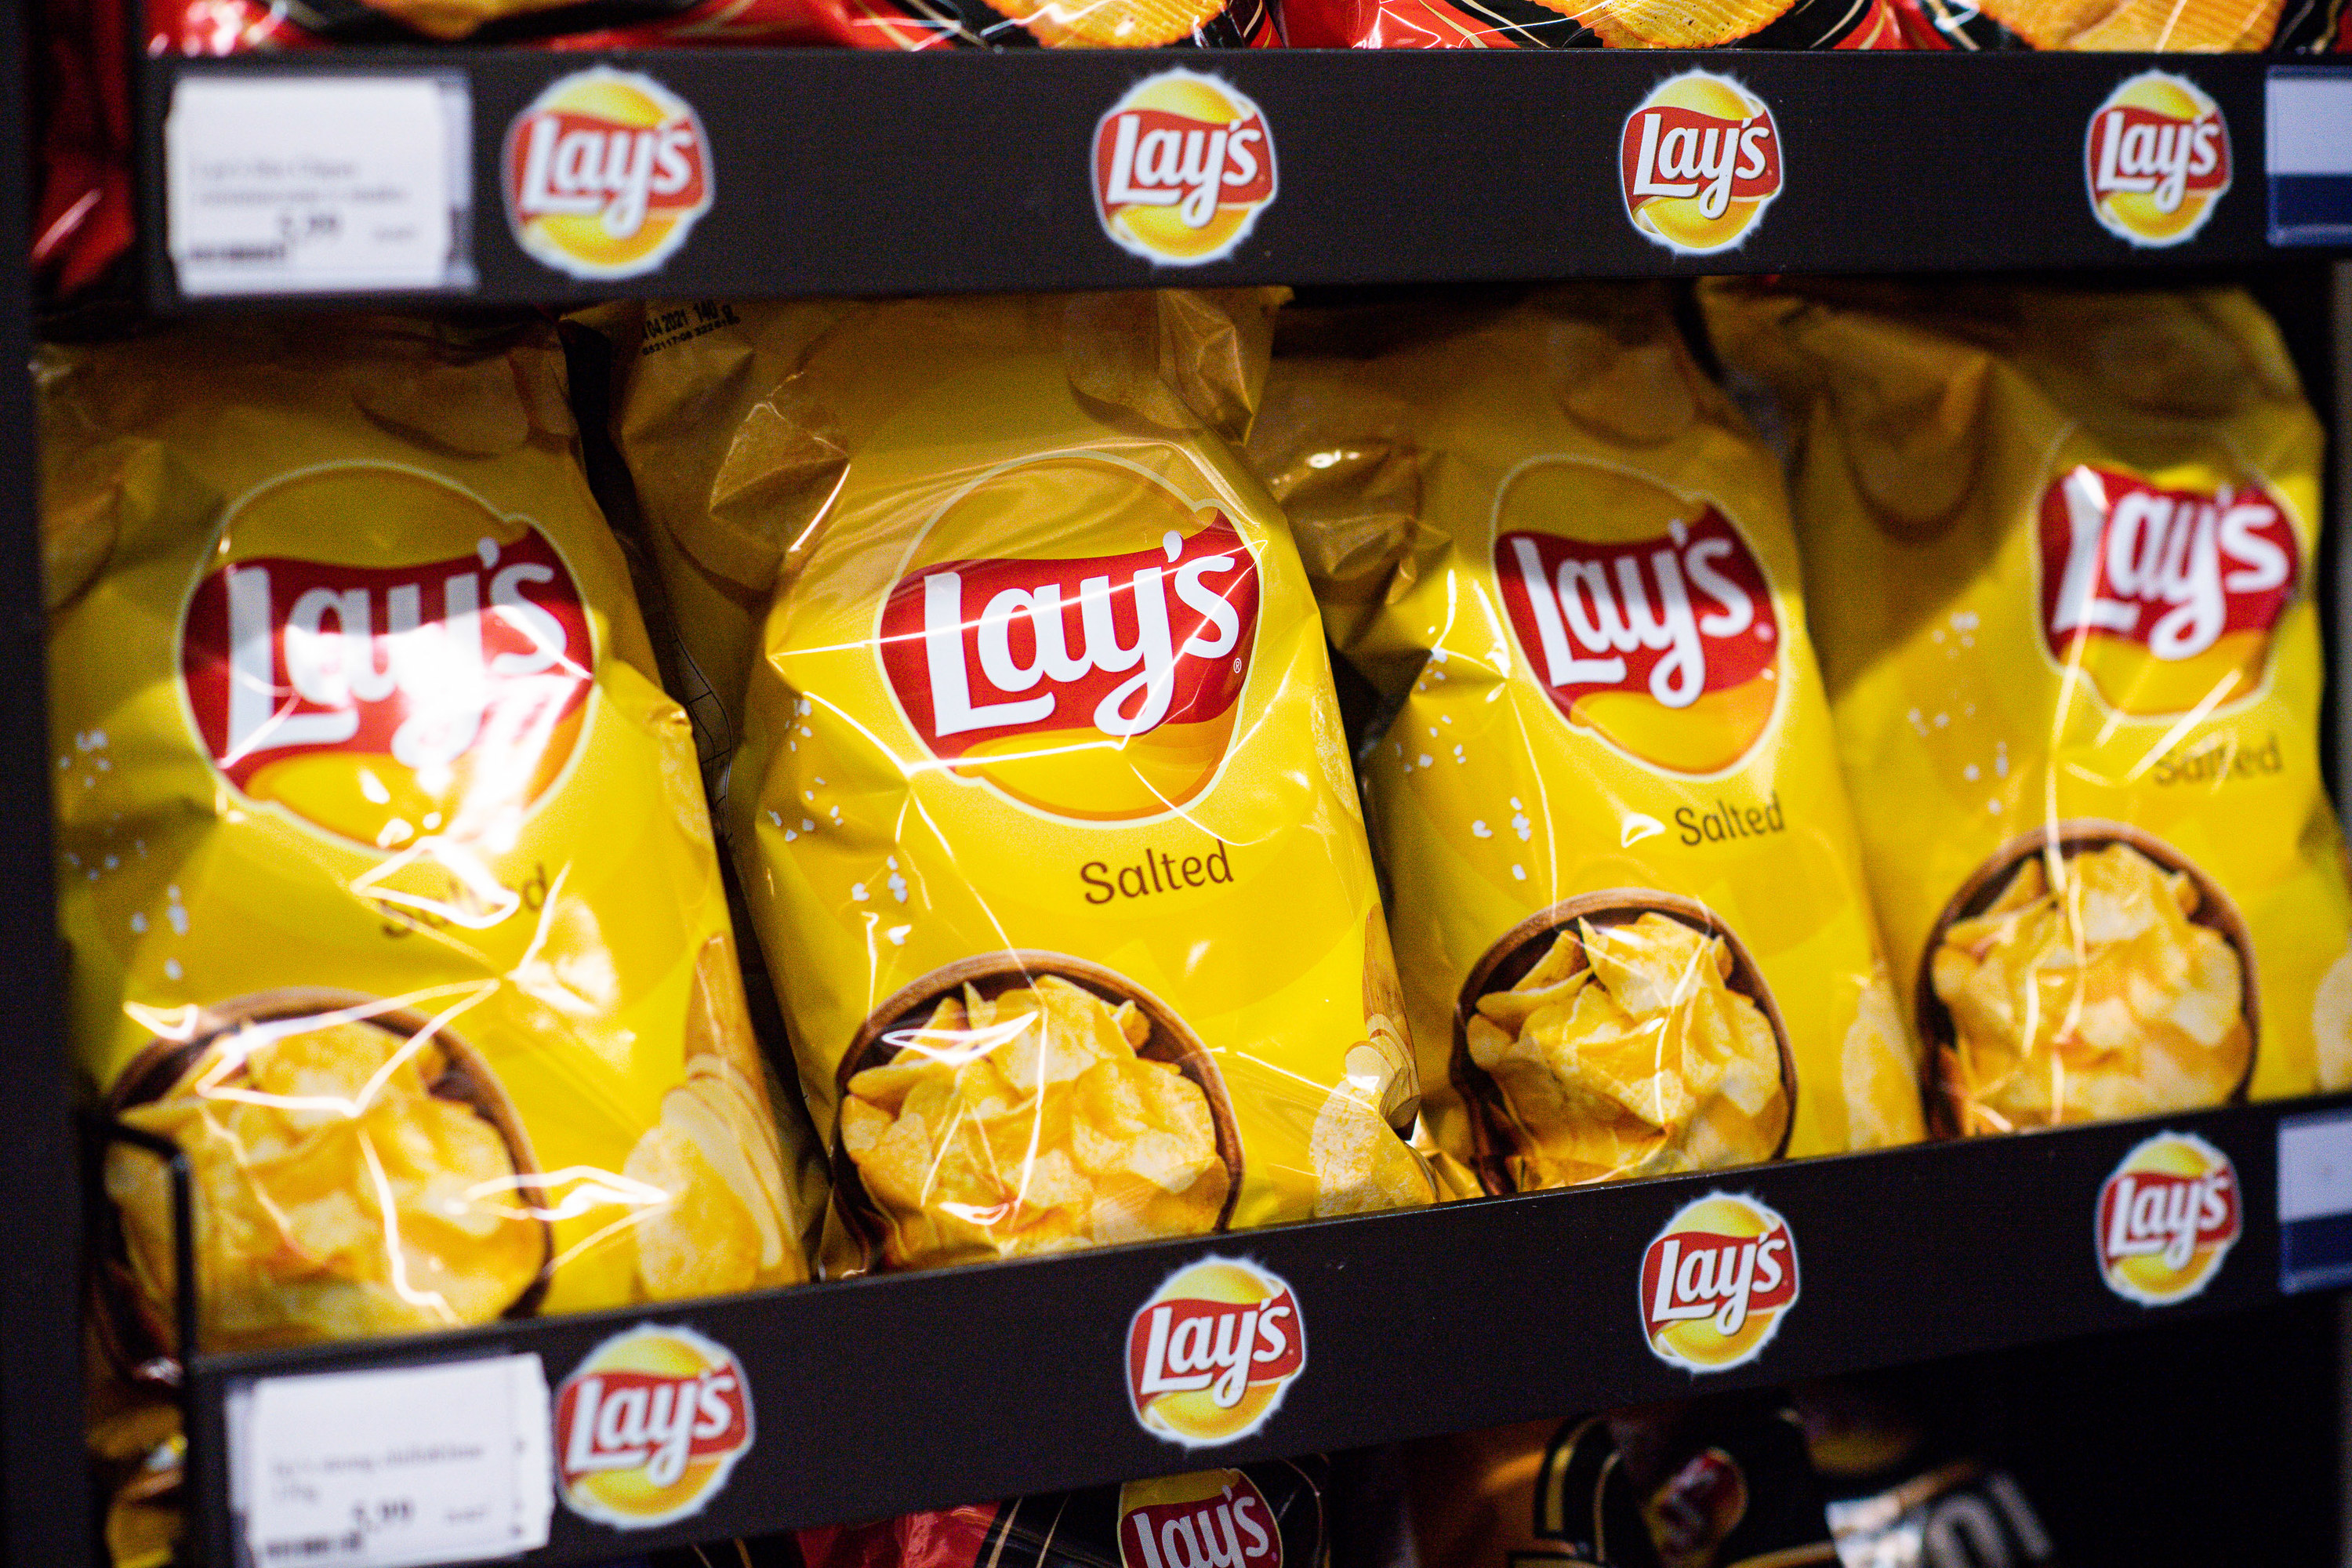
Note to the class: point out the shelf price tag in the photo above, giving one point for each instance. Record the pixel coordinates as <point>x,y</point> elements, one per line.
<point>395,1468</point>
<point>2309,157</point>
<point>320,184</point>
<point>2315,1200</point>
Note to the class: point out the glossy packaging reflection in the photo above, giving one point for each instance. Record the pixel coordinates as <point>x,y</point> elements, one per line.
<point>1040,797</point>
<point>1628,898</point>
<point>2062,548</point>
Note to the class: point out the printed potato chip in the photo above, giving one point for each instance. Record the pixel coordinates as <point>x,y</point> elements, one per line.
<point>1588,24</point>
<point>390,885</point>
<point>2060,546</point>
<point>1042,799</point>
<point>1628,905</point>
<point>2196,26</point>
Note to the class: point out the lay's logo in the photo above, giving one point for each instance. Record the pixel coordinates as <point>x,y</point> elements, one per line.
<point>1209,1519</point>
<point>2167,1217</point>
<point>1667,647</point>
<point>1698,161</point>
<point>1100,688</point>
<point>1208,1355</point>
<point>1717,1281</point>
<point>389,701</point>
<point>649,1425</point>
<point>2155,159</point>
<point>2162,597</point>
<point>1183,163</point>
<point>605,174</point>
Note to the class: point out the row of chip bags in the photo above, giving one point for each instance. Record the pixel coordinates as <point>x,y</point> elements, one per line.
<point>1004,616</point>
<point>2041,838</point>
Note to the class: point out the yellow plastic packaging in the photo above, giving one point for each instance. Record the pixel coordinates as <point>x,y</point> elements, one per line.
<point>1628,907</point>
<point>389,883</point>
<point>2061,548</point>
<point>1042,801</point>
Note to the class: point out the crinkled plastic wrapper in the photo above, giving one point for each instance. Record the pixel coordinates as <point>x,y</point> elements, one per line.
<point>1720,1482</point>
<point>1041,799</point>
<point>1592,24</point>
<point>235,26</point>
<point>2061,548</point>
<point>1268,1515</point>
<point>389,884</point>
<point>1629,898</point>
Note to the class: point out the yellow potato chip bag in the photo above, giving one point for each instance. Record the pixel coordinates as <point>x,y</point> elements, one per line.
<point>388,878</point>
<point>1628,897</point>
<point>2060,546</point>
<point>1042,803</point>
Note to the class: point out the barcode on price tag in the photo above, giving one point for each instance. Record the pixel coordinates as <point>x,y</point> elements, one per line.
<point>319,183</point>
<point>391,1468</point>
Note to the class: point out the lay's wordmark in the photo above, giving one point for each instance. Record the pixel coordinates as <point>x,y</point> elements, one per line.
<point>1210,1354</point>
<point>2166,1218</point>
<point>1183,163</point>
<point>649,1425</point>
<point>1717,1281</point>
<point>2156,159</point>
<point>1699,161</point>
<point>1683,616</point>
<point>461,680</point>
<point>605,174</point>
<point>949,632</point>
<point>1206,1519</point>
<point>2191,578</point>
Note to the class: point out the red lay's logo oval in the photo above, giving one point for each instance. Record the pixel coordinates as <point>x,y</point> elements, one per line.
<point>1209,1519</point>
<point>1717,1281</point>
<point>437,691</point>
<point>2157,159</point>
<point>605,174</point>
<point>1667,646</point>
<point>1102,687</point>
<point>649,1425</point>
<point>2165,599</point>
<point>2167,1217</point>
<point>1698,161</point>
<point>1209,1356</point>
<point>1183,163</point>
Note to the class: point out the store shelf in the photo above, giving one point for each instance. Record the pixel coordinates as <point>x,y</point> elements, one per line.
<point>877,1396</point>
<point>845,171</point>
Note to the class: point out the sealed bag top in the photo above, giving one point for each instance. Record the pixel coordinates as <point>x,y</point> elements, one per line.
<point>1043,800</point>
<point>1628,896</point>
<point>390,887</point>
<point>2061,547</point>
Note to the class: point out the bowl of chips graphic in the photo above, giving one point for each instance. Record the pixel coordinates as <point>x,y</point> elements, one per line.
<point>1626,1032</point>
<point>358,1170</point>
<point>2084,972</point>
<point>1020,1102</point>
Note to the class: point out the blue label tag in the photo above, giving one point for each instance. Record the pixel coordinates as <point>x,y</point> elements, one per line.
<point>2315,1201</point>
<point>2307,153</point>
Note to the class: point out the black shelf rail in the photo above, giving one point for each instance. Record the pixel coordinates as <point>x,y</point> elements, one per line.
<point>843,171</point>
<point>883,1394</point>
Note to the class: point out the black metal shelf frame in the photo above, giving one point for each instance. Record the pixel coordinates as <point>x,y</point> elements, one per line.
<point>886,1394</point>
<point>846,171</point>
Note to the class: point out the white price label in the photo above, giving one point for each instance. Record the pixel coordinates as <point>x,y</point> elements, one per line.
<point>2315,1166</point>
<point>393,1468</point>
<point>320,184</point>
